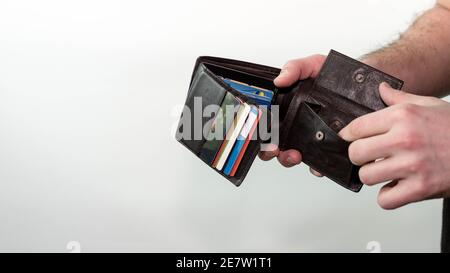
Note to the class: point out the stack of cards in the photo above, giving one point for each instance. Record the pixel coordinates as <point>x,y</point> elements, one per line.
<point>233,127</point>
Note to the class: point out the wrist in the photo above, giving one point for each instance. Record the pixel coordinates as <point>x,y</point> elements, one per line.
<point>373,61</point>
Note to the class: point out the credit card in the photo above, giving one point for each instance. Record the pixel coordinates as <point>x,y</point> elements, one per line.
<point>260,95</point>
<point>219,128</point>
<point>238,148</point>
<point>231,136</point>
<point>247,88</point>
<point>244,147</point>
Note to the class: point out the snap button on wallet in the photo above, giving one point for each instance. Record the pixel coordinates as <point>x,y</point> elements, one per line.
<point>311,113</point>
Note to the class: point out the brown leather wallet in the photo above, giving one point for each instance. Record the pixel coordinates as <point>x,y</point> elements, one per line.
<point>311,111</point>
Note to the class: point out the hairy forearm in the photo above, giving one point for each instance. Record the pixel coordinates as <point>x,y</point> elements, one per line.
<point>421,56</point>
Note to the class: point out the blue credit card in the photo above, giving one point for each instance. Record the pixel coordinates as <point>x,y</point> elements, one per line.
<point>245,131</point>
<point>260,95</point>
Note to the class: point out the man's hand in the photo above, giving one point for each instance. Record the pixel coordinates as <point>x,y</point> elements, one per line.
<point>407,142</point>
<point>293,71</point>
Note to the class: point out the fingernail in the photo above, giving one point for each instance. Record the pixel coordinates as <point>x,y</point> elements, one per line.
<point>270,147</point>
<point>290,161</point>
<point>385,85</point>
<point>316,173</point>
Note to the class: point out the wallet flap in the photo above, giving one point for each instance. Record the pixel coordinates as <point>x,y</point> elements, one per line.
<point>313,111</point>
<point>354,80</point>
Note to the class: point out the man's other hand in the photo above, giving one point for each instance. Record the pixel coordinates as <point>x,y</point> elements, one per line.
<point>407,143</point>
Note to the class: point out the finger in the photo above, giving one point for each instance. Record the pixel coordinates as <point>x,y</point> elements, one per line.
<point>393,96</point>
<point>371,124</point>
<point>369,149</point>
<point>400,193</point>
<point>271,151</point>
<point>299,69</point>
<point>391,168</point>
<point>314,172</point>
<point>290,158</point>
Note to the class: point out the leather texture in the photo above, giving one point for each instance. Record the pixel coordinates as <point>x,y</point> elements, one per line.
<point>312,111</point>
<point>207,84</point>
<point>319,108</point>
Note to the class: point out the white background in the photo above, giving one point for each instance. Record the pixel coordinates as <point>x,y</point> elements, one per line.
<point>87,91</point>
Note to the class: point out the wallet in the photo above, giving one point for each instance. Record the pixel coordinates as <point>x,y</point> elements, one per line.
<point>240,95</point>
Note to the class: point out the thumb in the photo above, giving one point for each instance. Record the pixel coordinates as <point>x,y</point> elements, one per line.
<point>299,69</point>
<point>393,96</point>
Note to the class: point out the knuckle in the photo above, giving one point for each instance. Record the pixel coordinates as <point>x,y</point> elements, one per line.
<point>410,141</point>
<point>422,171</point>
<point>417,165</point>
<point>433,186</point>
<point>408,138</point>
<point>406,112</point>
<point>421,190</point>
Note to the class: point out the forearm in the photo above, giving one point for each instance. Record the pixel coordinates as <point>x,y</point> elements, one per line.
<point>421,56</point>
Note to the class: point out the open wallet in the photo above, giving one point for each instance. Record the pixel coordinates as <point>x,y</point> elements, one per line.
<point>311,112</point>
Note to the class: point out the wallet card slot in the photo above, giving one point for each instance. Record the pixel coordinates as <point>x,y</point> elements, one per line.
<point>219,128</point>
<point>210,149</point>
<point>205,95</point>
